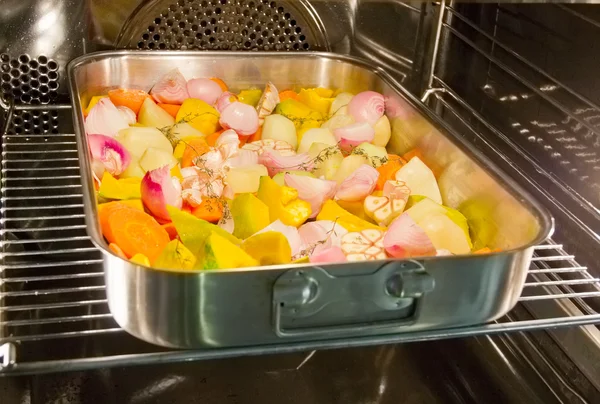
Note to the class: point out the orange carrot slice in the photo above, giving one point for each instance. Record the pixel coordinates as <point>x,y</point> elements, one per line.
<point>171,230</point>
<point>194,149</point>
<point>172,109</point>
<point>132,99</point>
<point>117,250</point>
<point>212,139</point>
<point>220,82</point>
<point>387,171</point>
<point>211,210</point>
<point>104,212</point>
<point>137,232</point>
<point>284,95</point>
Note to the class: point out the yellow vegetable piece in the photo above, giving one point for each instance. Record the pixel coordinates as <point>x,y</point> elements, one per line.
<point>283,203</point>
<point>175,256</point>
<point>194,232</point>
<point>176,172</point>
<point>112,188</point>
<point>250,97</point>
<point>356,208</point>
<point>93,101</point>
<point>334,212</point>
<point>220,253</point>
<point>318,99</point>
<point>140,259</point>
<point>269,248</point>
<point>303,260</point>
<point>302,115</point>
<point>199,115</point>
<point>250,215</point>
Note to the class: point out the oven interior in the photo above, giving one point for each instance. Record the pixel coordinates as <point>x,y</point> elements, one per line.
<point>516,80</point>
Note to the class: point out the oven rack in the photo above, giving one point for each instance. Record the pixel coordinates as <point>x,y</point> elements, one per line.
<point>53,310</point>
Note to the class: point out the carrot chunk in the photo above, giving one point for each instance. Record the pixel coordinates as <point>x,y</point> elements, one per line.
<point>194,149</point>
<point>132,99</point>
<point>211,210</point>
<point>387,171</point>
<point>284,95</point>
<point>212,138</point>
<point>137,232</point>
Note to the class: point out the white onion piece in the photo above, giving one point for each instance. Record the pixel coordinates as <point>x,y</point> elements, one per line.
<point>108,154</point>
<point>198,184</point>
<point>240,117</point>
<point>328,255</point>
<point>159,190</point>
<point>358,185</point>
<point>267,103</point>
<point>171,88</point>
<point>105,119</point>
<point>228,143</point>
<point>321,234</point>
<point>312,190</point>
<point>405,239</point>
<point>367,106</point>
<point>290,233</point>
<point>225,100</point>
<point>277,163</point>
<point>205,90</point>
<point>352,135</point>
<point>212,160</point>
<point>128,114</point>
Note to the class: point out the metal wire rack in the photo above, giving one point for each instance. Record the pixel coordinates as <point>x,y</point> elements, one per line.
<point>52,290</point>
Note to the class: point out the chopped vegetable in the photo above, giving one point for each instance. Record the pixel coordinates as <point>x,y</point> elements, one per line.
<point>200,115</point>
<point>387,171</point>
<point>332,211</point>
<point>220,253</point>
<point>283,203</point>
<point>112,188</point>
<point>268,248</point>
<point>193,149</point>
<point>175,256</point>
<point>250,215</point>
<point>171,109</point>
<point>132,99</point>
<point>211,210</point>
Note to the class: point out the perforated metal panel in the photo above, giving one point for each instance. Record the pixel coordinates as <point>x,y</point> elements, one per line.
<point>29,80</point>
<point>225,25</point>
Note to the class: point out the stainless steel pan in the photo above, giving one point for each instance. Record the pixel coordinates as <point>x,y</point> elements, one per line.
<point>198,309</point>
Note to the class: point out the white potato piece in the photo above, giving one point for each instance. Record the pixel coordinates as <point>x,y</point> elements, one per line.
<point>154,158</point>
<point>279,178</point>
<point>136,140</point>
<point>420,179</point>
<point>348,166</point>
<point>339,104</point>
<point>133,169</point>
<point>376,155</point>
<point>246,179</point>
<point>183,130</point>
<point>383,131</point>
<point>338,121</point>
<point>152,115</point>
<point>316,135</point>
<point>330,161</point>
<point>445,234</point>
<point>278,127</point>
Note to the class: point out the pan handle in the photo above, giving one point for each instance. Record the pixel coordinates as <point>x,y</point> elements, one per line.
<point>312,302</point>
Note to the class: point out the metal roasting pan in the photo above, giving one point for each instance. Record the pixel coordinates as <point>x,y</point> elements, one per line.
<point>253,306</point>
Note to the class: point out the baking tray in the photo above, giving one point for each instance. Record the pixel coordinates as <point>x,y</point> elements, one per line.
<point>279,304</point>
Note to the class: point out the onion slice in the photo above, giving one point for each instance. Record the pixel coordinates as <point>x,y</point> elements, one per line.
<point>312,190</point>
<point>358,185</point>
<point>321,234</point>
<point>108,154</point>
<point>105,119</point>
<point>159,190</point>
<point>367,106</point>
<point>352,135</point>
<point>277,163</point>
<point>204,89</point>
<point>225,100</point>
<point>240,117</point>
<point>171,88</point>
<point>404,239</point>
<point>328,255</point>
<point>128,114</point>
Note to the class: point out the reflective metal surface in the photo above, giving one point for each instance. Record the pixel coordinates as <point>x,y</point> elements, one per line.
<point>194,309</point>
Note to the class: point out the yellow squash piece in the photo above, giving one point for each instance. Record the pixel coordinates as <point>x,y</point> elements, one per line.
<point>112,188</point>
<point>140,259</point>
<point>304,117</point>
<point>334,212</point>
<point>269,248</point>
<point>356,208</point>
<point>220,253</point>
<point>182,144</point>
<point>319,99</point>
<point>176,172</point>
<point>250,215</point>
<point>175,256</point>
<point>199,115</point>
<point>250,97</point>
<point>283,203</point>
<point>194,232</point>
